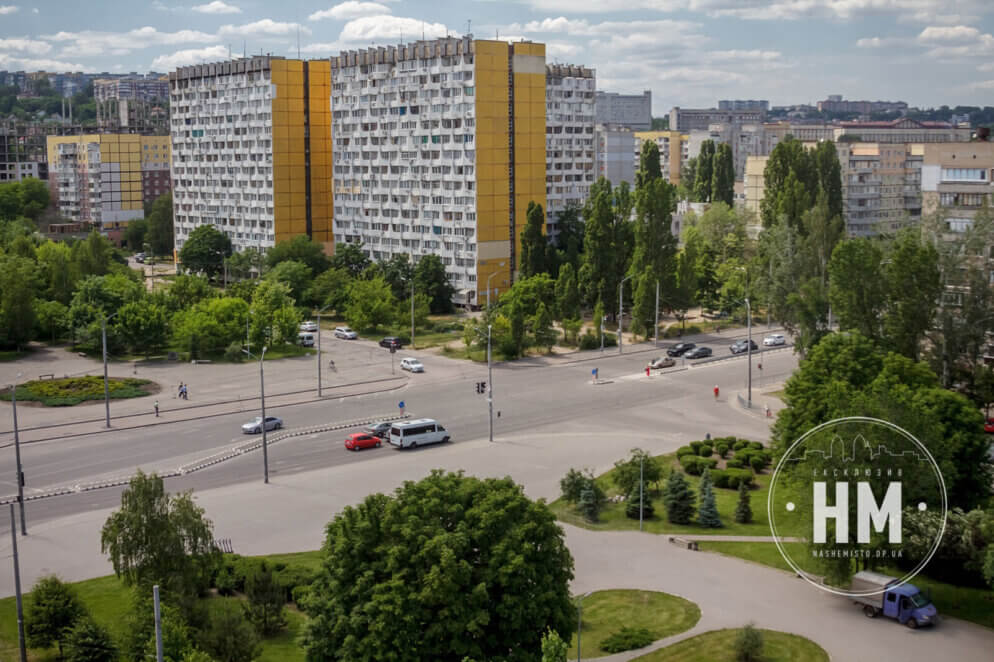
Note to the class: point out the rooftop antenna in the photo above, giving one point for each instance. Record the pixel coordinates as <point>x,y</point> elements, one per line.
<point>469,26</point>
<point>229,51</point>
<point>298,41</point>
<point>244,49</point>
<point>422,30</point>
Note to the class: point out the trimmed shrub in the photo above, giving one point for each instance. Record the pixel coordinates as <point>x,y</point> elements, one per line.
<point>293,576</point>
<point>722,450</point>
<point>756,445</point>
<point>738,476</point>
<point>690,464</point>
<point>734,463</point>
<point>740,444</point>
<point>705,451</point>
<point>728,441</point>
<point>300,593</point>
<point>627,639</point>
<point>719,477</point>
<point>757,463</point>
<point>696,445</point>
<point>685,450</point>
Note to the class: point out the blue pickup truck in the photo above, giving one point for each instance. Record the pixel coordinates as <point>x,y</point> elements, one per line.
<point>904,603</point>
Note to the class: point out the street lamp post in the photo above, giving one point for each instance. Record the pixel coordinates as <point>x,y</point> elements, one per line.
<point>262,398</point>
<point>655,340</point>
<point>641,484</point>
<point>17,590</point>
<point>621,310</point>
<point>319,348</point>
<point>749,347</point>
<point>579,623</point>
<point>603,319</point>
<point>490,382</point>
<point>103,334</point>
<point>17,457</point>
<point>488,286</point>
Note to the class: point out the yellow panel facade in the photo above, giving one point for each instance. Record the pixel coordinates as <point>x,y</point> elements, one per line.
<point>529,136</point>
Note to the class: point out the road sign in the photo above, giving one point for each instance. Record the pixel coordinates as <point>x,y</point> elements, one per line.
<point>401,404</point>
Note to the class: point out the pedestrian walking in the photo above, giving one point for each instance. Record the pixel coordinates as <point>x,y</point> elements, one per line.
<point>647,371</point>
<point>156,409</point>
<point>185,392</point>
<point>768,413</point>
<point>716,393</point>
<point>179,390</point>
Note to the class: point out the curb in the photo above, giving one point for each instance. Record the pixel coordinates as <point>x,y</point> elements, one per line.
<point>209,461</point>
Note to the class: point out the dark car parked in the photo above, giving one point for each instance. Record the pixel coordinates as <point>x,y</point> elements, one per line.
<point>740,346</point>
<point>698,353</point>
<point>680,348</point>
<point>391,341</point>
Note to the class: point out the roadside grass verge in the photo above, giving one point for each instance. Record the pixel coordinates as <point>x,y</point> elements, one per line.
<point>719,646</point>
<point>70,391</point>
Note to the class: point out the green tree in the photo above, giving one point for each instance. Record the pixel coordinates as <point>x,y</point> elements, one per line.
<point>856,287</point>
<point>650,168</point>
<point>143,325</point>
<point>569,241</point>
<point>688,179</point>
<point>567,294</point>
<point>913,284</point>
<point>52,318</point>
<point>17,294</point>
<point>92,256</point>
<point>187,290</point>
<point>743,509</point>
<point>554,649</point>
<point>57,273</point>
<point>599,257</point>
<point>175,636</point>
<point>723,175</point>
<point>242,263</point>
<point>573,483</point>
<point>229,637</point>
<point>266,600</point>
<point>158,538</point>
<point>678,499</point>
<point>707,512</point>
<point>398,272</point>
<point>301,249</point>
<point>160,225</point>
<point>331,289</point>
<point>790,182</point>
<point>653,259</point>
<point>10,201</point>
<point>749,645</point>
<point>542,329</point>
<point>430,278</point>
<point>598,320</point>
<point>411,562</point>
<point>350,257</point>
<point>533,243</point>
<point>295,275</point>
<point>134,234</point>
<point>52,609</point>
<point>826,158</point>
<point>269,298</point>
<point>371,304</point>
<point>89,642</point>
<point>626,472</point>
<point>516,315</point>
<point>705,172</point>
<point>422,307</point>
<point>205,250</point>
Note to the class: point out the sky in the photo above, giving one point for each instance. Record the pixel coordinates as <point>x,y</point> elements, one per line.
<point>689,53</point>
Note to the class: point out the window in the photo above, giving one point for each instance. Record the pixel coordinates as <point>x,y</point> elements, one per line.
<point>964,175</point>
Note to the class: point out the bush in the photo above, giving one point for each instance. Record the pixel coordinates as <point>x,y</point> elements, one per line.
<point>300,594</point>
<point>234,352</point>
<point>740,444</point>
<point>734,463</point>
<point>685,450</point>
<point>757,463</point>
<point>88,642</point>
<point>705,451</point>
<point>627,639</point>
<point>292,577</point>
<point>229,637</point>
<point>738,476</point>
<point>225,581</point>
<point>696,445</point>
<point>676,331</point>
<point>695,465</point>
<point>589,341</point>
<point>756,445</point>
<point>632,505</point>
<point>719,477</point>
<point>53,608</point>
<point>722,450</point>
<point>749,645</point>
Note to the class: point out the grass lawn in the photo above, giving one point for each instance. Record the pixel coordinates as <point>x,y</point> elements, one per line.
<point>74,390</point>
<point>13,355</point>
<point>970,604</point>
<point>606,612</point>
<point>718,646</point>
<point>109,601</point>
<point>613,517</point>
<point>777,394</point>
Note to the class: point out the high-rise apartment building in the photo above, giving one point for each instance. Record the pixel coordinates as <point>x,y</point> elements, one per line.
<point>957,179</point>
<point>570,98</point>
<point>614,147</point>
<point>146,89</point>
<point>629,110</point>
<point>881,186</point>
<point>835,103</point>
<point>251,144</point>
<point>439,147</point>
<point>105,179</point>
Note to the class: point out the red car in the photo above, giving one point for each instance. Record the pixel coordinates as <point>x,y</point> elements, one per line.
<point>360,440</point>
<point>989,426</point>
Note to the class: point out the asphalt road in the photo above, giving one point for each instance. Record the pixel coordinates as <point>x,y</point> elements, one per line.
<point>527,395</point>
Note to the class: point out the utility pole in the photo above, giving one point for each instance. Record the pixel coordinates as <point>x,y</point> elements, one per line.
<point>490,382</point>
<point>656,337</point>
<point>103,334</point>
<point>412,302</point>
<point>158,623</point>
<point>17,589</point>
<point>749,348</point>
<point>621,310</point>
<point>603,318</point>
<point>319,348</point>
<point>641,484</point>
<point>262,394</point>
<point>17,457</point>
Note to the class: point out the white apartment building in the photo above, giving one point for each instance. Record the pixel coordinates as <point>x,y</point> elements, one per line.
<point>570,96</point>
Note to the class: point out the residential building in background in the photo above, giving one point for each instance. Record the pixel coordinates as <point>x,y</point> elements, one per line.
<point>144,89</point>
<point>630,110</point>
<point>688,119</point>
<point>251,144</point>
<point>674,151</point>
<point>836,104</point>
<point>439,147</point>
<point>105,179</point>
<point>569,131</point>
<point>754,182</point>
<point>881,186</point>
<point>136,105</point>
<point>744,104</point>
<point>615,146</point>
<point>16,161</point>
<point>957,179</point>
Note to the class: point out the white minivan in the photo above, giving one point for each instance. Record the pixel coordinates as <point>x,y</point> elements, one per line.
<point>306,339</point>
<point>411,434</point>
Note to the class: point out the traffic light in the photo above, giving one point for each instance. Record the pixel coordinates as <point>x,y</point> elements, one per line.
<point>481,387</point>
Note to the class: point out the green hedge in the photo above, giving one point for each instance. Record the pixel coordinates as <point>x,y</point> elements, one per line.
<point>695,465</point>
<point>74,390</point>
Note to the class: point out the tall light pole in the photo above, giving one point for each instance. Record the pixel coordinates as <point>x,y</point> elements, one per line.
<point>319,348</point>
<point>579,623</point>
<point>490,382</point>
<point>641,487</point>
<point>103,334</point>
<point>17,457</point>
<point>749,347</point>
<point>262,398</point>
<point>603,319</point>
<point>621,310</point>
<point>17,589</point>
<point>655,340</point>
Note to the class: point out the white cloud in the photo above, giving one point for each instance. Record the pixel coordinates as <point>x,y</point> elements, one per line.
<point>189,56</point>
<point>740,55</point>
<point>8,9</point>
<point>561,49</point>
<point>881,42</point>
<point>954,33</point>
<point>217,7</point>
<point>349,10</point>
<point>362,31</point>
<point>326,49</point>
<point>263,28</point>
<point>982,85</point>
<point>986,67</point>
<point>90,43</point>
<point>600,6</point>
<point>30,46</point>
<point>35,64</point>
<point>34,11</point>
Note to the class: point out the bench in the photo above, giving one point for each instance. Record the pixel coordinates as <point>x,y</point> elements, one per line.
<point>48,376</point>
<point>684,542</point>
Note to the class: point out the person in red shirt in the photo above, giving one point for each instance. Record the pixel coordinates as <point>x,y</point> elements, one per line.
<point>716,392</point>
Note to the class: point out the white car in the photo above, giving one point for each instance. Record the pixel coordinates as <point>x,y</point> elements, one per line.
<point>411,364</point>
<point>309,325</point>
<point>774,339</point>
<point>346,333</point>
<point>255,425</point>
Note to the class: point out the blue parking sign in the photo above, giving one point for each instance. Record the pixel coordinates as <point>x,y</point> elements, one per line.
<point>401,404</point>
